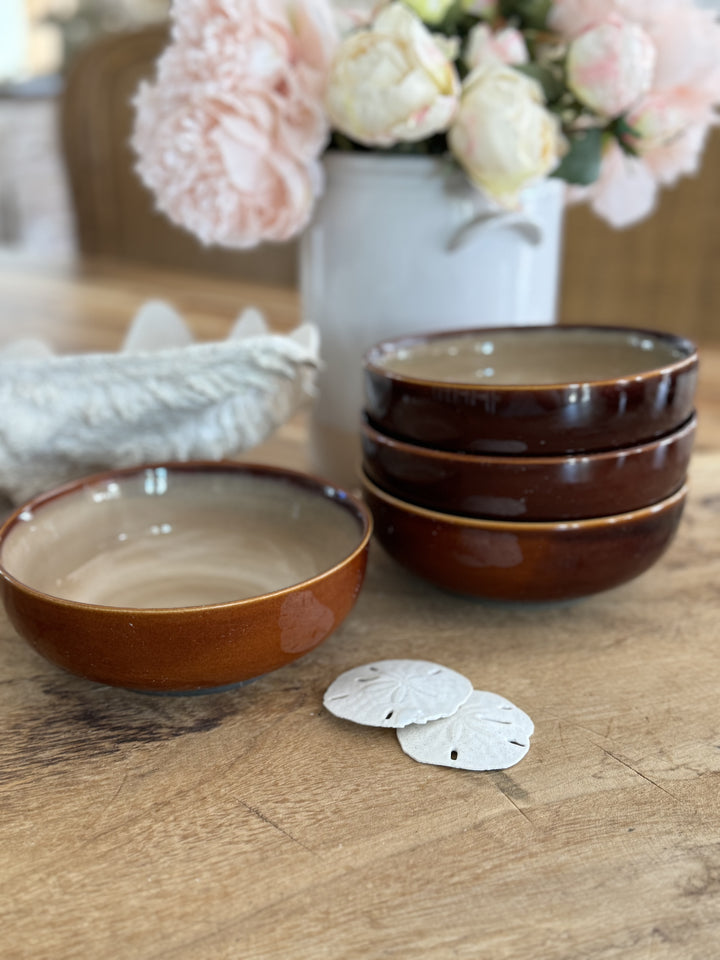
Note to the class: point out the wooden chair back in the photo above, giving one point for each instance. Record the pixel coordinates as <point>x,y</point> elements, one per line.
<point>662,274</point>
<point>114,213</point>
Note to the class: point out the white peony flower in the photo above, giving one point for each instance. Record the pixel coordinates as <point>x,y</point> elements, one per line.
<point>610,65</point>
<point>392,82</point>
<point>503,136</point>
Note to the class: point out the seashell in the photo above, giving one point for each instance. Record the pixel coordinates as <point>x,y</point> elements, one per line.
<point>487,732</point>
<point>395,693</point>
<point>161,398</point>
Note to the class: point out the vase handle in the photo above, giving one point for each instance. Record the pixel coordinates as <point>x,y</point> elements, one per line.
<point>528,229</point>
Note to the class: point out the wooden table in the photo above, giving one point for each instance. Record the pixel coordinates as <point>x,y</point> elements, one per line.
<point>252,825</point>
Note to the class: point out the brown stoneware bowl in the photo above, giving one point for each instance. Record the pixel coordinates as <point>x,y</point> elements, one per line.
<point>527,562</point>
<point>531,390</point>
<point>183,577</point>
<point>572,487</point>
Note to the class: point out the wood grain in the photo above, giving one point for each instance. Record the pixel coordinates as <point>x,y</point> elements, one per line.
<point>254,825</point>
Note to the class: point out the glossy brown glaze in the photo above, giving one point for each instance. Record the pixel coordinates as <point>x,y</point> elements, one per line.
<point>176,648</point>
<point>529,488</point>
<point>525,562</point>
<point>646,396</point>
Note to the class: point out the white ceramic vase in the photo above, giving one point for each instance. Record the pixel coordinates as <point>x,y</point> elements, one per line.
<point>401,245</point>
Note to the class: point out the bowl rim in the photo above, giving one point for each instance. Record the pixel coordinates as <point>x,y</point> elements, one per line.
<point>518,526</point>
<point>370,364</point>
<point>329,491</point>
<point>375,434</point>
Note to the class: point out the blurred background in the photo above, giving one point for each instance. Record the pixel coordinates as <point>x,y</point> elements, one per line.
<point>68,69</point>
<point>38,41</point>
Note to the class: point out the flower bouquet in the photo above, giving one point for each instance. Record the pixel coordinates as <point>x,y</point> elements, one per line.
<point>423,149</point>
<point>614,97</point>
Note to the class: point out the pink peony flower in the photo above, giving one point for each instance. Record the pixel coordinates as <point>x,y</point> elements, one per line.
<point>610,65</point>
<point>571,17</point>
<point>687,40</point>
<point>679,157</point>
<point>352,14</point>
<point>625,193</point>
<point>503,46</point>
<point>672,120</point>
<point>685,35</point>
<point>229,133</point>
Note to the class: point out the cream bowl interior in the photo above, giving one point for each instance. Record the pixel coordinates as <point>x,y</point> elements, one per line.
<point>168,537</point>
<point>530,356</point>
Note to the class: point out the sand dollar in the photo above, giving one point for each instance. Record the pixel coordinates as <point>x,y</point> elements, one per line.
<point>487,732</point>
<point>395,693</point>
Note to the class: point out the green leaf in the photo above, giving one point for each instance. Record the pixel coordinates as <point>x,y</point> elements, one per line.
<point>624,130</point>
<point>532,14</point>
<point>552,84</point>
<point>626,135</point>
<point>581,164</point>
<point>457,22</point>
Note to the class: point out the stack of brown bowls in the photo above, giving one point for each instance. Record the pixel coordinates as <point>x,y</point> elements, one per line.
<point>531,464</point>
